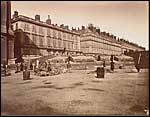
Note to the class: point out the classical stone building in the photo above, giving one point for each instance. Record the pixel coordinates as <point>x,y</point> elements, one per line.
<point>130,46</point>
<point>99,43</point>
<point>35,37</point>
<point>7,39</point>
<point>95,42</point>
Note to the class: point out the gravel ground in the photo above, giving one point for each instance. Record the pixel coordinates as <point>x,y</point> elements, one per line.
<point>78,92</point>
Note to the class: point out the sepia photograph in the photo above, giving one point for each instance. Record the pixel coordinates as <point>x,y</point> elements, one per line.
<point>75,58</point>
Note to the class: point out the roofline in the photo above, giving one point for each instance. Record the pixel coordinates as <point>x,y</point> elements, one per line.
<point>41,23</point>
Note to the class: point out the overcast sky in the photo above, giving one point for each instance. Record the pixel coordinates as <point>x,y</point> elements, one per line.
<point>128,20</point>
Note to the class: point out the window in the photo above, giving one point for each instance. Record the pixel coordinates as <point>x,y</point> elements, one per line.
<point>64,44</point>
<point>41,30</point>
<point>48,32</point>
<point>54,42</point>
<point>71,45</point>
<point>64,35</point>
<point>69,37</point>
<point>59,34</point>
<point>26,27</point>
<point>75,45</point>
<point>51,42</point>
<point>22,26</point>
<point>34,29</point>
<point>54,33</point>
<point>48,42</point>
<point>59,43</point>
<point>34,39</point>
<point>41,41</point>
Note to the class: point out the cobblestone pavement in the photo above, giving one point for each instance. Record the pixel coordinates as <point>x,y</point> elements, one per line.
<point>78,92</point>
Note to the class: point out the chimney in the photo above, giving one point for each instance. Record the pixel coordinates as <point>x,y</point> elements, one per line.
<point>37,17</point>
<point>107,34</point>
<point>98,31</point>
<point>83,27</point>
<point>104,33</point>
<point>112,36</point>
<point>73,29</point>
<point>15,14</point>
<point>90,26</point>
<point>48,21</point>
<point>62,26</point>
<point>67,27</point>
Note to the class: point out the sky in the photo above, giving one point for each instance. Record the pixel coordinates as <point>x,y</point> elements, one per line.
<point>124,19</point>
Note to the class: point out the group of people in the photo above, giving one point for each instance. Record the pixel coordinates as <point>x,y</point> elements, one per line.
<point>33,66</point>
<point>20,67</point>
<point>36,66</point>
<point>47,65</point>
<point>112,58</point>
<point>40,66</point>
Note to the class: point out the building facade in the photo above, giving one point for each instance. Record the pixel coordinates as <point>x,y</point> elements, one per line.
<point>34,37</point>
<point>129,46</point>
<point>7,35</point>
<point>101,43</point>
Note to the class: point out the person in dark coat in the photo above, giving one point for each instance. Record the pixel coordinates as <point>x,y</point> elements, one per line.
<point>25,67</point>
<point>99,58</point>
<point>111,58</point>
<point>104,63</point>
<point>31,66</point>
<point>17,68</point>
<point>69,66</point>
<point>69,59</point>
<point>21,66</point>
<point>4,68</point>
<point>112,65</point>
<point>49,67</point>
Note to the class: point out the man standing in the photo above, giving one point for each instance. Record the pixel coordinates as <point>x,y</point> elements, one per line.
<point>69,59</point>
<point>21,66</point>
<point>104,63</point>
<point>49,67</point>
<point>112,63</point>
